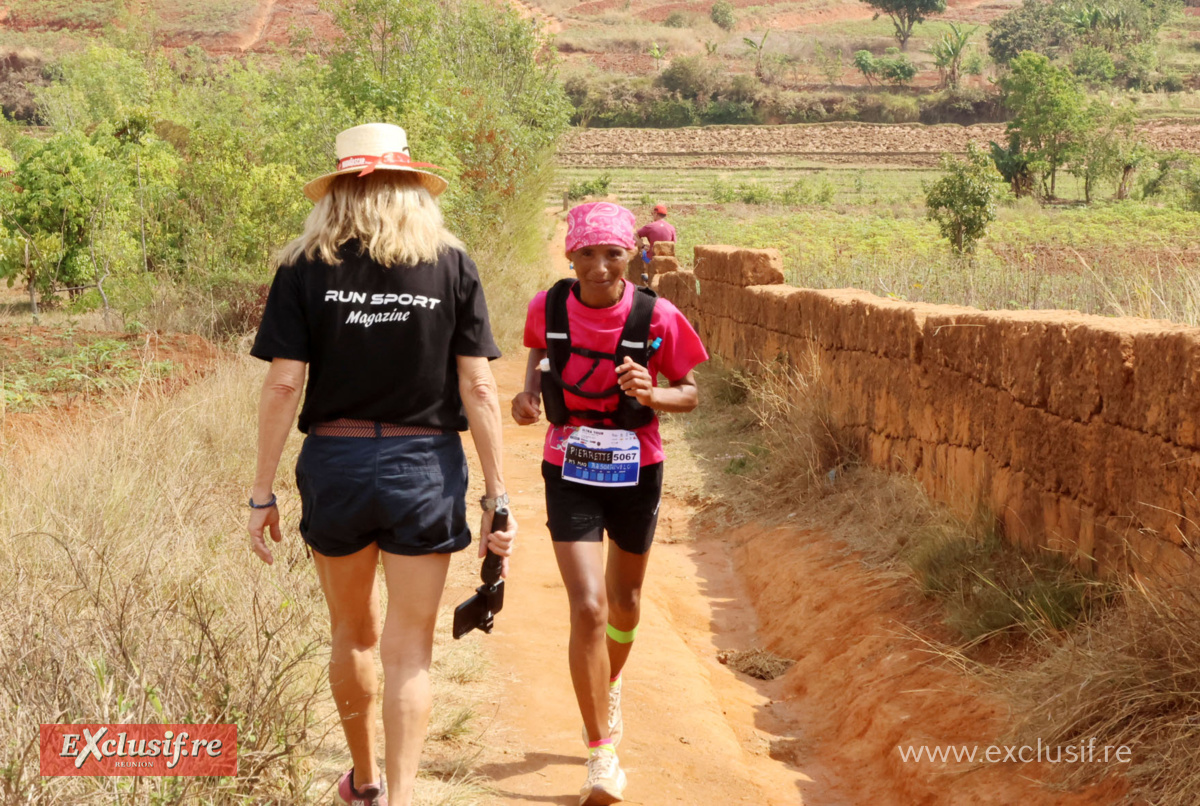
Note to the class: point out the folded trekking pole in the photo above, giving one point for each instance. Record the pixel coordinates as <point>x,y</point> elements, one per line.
<point>480,610</point>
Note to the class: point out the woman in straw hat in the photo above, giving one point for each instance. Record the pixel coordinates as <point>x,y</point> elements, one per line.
<point>378,303</point>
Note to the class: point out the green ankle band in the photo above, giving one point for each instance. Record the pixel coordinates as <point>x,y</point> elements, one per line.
<point>620,636</point>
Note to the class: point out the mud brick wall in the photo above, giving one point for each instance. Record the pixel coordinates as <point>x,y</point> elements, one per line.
<point>1080,434</point>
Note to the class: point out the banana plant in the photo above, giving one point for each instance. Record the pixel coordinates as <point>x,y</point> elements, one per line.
<point>948,53</point>
<point>757,48</point>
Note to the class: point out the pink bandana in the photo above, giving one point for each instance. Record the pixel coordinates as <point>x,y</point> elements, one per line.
<point>599,223</point>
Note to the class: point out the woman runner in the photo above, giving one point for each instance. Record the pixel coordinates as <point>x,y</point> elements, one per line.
<point>602,344</point>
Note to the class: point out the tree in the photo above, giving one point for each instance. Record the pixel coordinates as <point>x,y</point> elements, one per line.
<point>948,52</point>
<point>1047,107</point>
<point>906,13</point>
<point>722,14</point>
<point>963,200</point>
<point>1036,26</point>
<point>1106,142</point>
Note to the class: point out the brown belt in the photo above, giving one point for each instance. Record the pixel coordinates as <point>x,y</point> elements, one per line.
<point>346,427</point>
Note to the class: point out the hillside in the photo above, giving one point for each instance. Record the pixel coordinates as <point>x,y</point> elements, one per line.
<point>218,26</point>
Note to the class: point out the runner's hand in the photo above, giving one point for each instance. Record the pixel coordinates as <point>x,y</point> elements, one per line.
<point>260,519</point>
<point>526,408</point>
<point>500,543</point>
<point>635,381</point>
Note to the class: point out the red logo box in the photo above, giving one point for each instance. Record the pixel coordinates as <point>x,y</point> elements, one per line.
<point>139,749</point>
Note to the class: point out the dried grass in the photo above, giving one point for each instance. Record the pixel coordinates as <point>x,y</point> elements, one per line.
<point>127,594</point>
<point>1129,678</point>
<point>758,663</point>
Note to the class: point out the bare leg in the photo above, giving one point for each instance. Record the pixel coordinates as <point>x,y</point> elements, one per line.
<point>414,591</point>
<point>353,599</point>
<point>624,577</point>
<point>582,568</point>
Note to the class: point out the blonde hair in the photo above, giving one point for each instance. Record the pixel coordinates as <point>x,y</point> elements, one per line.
<point>395,219</point>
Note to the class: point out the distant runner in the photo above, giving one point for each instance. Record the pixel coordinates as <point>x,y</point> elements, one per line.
<point>604,343</point>
<point>657,230</point>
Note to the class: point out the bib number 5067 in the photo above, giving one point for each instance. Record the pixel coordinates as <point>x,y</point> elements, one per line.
<point>624,457</point>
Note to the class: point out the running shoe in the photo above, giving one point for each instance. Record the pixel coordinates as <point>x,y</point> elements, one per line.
<point>369,795</point>
<point>616,724</point>
<point>605,780</point>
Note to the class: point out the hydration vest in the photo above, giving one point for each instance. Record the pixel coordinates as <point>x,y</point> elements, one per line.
<point>633,342</point>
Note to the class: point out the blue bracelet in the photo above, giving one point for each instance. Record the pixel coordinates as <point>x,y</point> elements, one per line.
<point>267,505</point>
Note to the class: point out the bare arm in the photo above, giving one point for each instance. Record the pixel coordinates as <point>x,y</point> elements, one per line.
<point>276,412</point>
<point>481,400</point>
<point>681,396</point>
<point>526,406</point>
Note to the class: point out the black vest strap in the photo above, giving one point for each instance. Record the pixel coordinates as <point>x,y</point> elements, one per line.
<point>633,342</point>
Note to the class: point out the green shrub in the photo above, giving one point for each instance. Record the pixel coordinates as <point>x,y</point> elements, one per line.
<point>1093,65</point>
<point>963,201</point>
<point>888,108</point>
<point>729,112</point>
<point>758,193</point>
<point>690,77</point>
<point>965,106</point>
<point>722,14</point>
<point>1171,82</point>
<point>589,187</point>
<point>893,67</point>
<point>677,19</point>
<point>744,88</point>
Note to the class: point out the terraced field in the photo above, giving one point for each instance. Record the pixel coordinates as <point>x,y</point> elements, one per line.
<point>776,146</point>
<point>643,186</point>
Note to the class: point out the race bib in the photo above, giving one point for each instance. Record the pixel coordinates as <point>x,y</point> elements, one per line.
<point>602,457</point>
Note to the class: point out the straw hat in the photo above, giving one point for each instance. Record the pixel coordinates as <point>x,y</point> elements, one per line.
<point>375,147</point>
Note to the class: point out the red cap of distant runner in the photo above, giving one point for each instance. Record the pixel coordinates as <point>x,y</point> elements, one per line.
<point>661,209</point>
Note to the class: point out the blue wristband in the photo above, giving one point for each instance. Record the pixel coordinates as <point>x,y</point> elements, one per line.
<point>267,505</point>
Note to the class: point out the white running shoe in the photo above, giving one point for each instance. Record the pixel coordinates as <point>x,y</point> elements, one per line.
<point>605,780</point>
<point>616,724</point>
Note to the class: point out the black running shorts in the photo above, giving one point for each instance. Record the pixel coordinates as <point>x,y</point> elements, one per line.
<point>407,494</point>
<point>579,512</point>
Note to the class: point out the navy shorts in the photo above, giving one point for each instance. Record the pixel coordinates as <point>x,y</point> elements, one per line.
<point>408,494</point>
<point>579,512</point>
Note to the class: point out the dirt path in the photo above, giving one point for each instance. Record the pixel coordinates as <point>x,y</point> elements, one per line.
<point>257,28</point>
<point>550,24</point>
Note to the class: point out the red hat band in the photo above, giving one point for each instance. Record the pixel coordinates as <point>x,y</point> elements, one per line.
<point>369,163</point>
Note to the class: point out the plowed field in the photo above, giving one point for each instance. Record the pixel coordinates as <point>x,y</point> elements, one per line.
<point>758,146</point>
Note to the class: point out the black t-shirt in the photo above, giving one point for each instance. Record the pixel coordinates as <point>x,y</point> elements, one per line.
<point>380,342</point>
